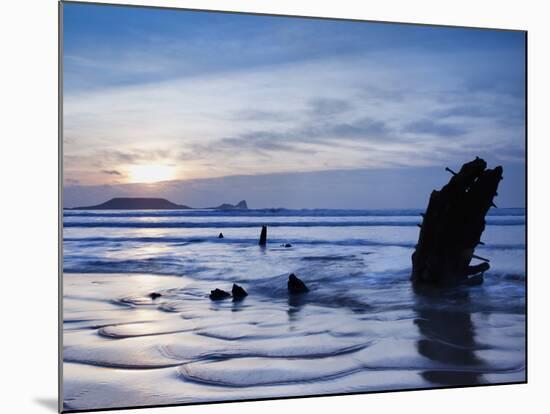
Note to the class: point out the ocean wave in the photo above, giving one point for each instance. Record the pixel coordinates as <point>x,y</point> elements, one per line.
<point>247,224</point>
<point>182,241</point>
<point>156,266</point>
<point>272,212</point>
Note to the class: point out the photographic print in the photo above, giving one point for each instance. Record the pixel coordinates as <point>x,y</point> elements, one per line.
<point>261,206</point>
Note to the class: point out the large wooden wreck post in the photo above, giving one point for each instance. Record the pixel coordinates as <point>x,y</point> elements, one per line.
<point>452,227</point>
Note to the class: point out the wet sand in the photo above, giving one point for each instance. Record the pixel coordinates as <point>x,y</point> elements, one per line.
<point>122,348</point>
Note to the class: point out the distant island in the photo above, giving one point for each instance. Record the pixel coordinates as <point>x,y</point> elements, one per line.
<point>241,205</point>
<point>131,203</point>
<point>139,203</point>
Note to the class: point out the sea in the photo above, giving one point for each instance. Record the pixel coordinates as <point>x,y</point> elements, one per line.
<point>362,327</point>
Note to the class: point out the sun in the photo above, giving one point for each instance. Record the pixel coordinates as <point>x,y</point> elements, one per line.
<point>151,173</point>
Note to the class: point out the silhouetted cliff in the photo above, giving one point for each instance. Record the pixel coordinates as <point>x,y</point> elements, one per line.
<point>130,203</point>
<point>241,205</point>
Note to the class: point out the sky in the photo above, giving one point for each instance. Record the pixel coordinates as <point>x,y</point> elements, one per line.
<point>203,108</point>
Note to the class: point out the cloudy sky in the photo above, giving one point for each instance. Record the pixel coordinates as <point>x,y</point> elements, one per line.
<point>204,108</point>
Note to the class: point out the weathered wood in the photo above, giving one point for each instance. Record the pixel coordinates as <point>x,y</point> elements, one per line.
<point>453,224</point>
<point>263,236</point>
<point>479,268</point>
<point>475,256</point>
<point>449,170</point>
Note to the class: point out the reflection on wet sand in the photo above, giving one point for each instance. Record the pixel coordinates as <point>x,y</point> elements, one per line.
<point>295,304</point>
<point>448,336</point>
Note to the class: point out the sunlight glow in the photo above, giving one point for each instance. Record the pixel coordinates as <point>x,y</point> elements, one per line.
<point>151,173</point>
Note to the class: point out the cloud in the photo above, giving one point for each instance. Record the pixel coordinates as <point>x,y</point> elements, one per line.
<point>440,129</point>
<point>259,141</point>
<point>326,107</point>
<point>384,94</point>
<point>504,112</point>
<point>258,115</point>
<point>284,100</point>
<point>312,137</point>
<point>111,172</point>
<point>349,111</point>
<point>71,181</point>
<point>109,157</point>
<point>469,110</point>
<point>365,128</point>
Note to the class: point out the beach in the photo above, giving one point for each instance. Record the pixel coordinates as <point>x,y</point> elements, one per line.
<point>361,327</point>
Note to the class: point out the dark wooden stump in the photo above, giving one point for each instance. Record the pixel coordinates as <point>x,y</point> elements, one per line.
<point>452,226</point>
<point>263,236</point>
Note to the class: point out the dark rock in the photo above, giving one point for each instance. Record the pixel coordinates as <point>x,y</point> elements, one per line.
<point>218,294</point>
<point>295,285</point>
<point>452,227</point>
<point>288,245</point>
<point>238,292</point>
<point>154,295</point>
<point>220,236</point>
<point>263,236</point>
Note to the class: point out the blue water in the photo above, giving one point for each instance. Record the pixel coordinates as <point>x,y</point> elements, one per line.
<point>361,327</point>
<point>186,242</point>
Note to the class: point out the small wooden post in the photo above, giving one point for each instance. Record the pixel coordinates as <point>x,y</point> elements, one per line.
<point>263,236</point>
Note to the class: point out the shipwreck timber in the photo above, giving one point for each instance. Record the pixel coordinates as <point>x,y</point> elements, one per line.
<point>452,226</point>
